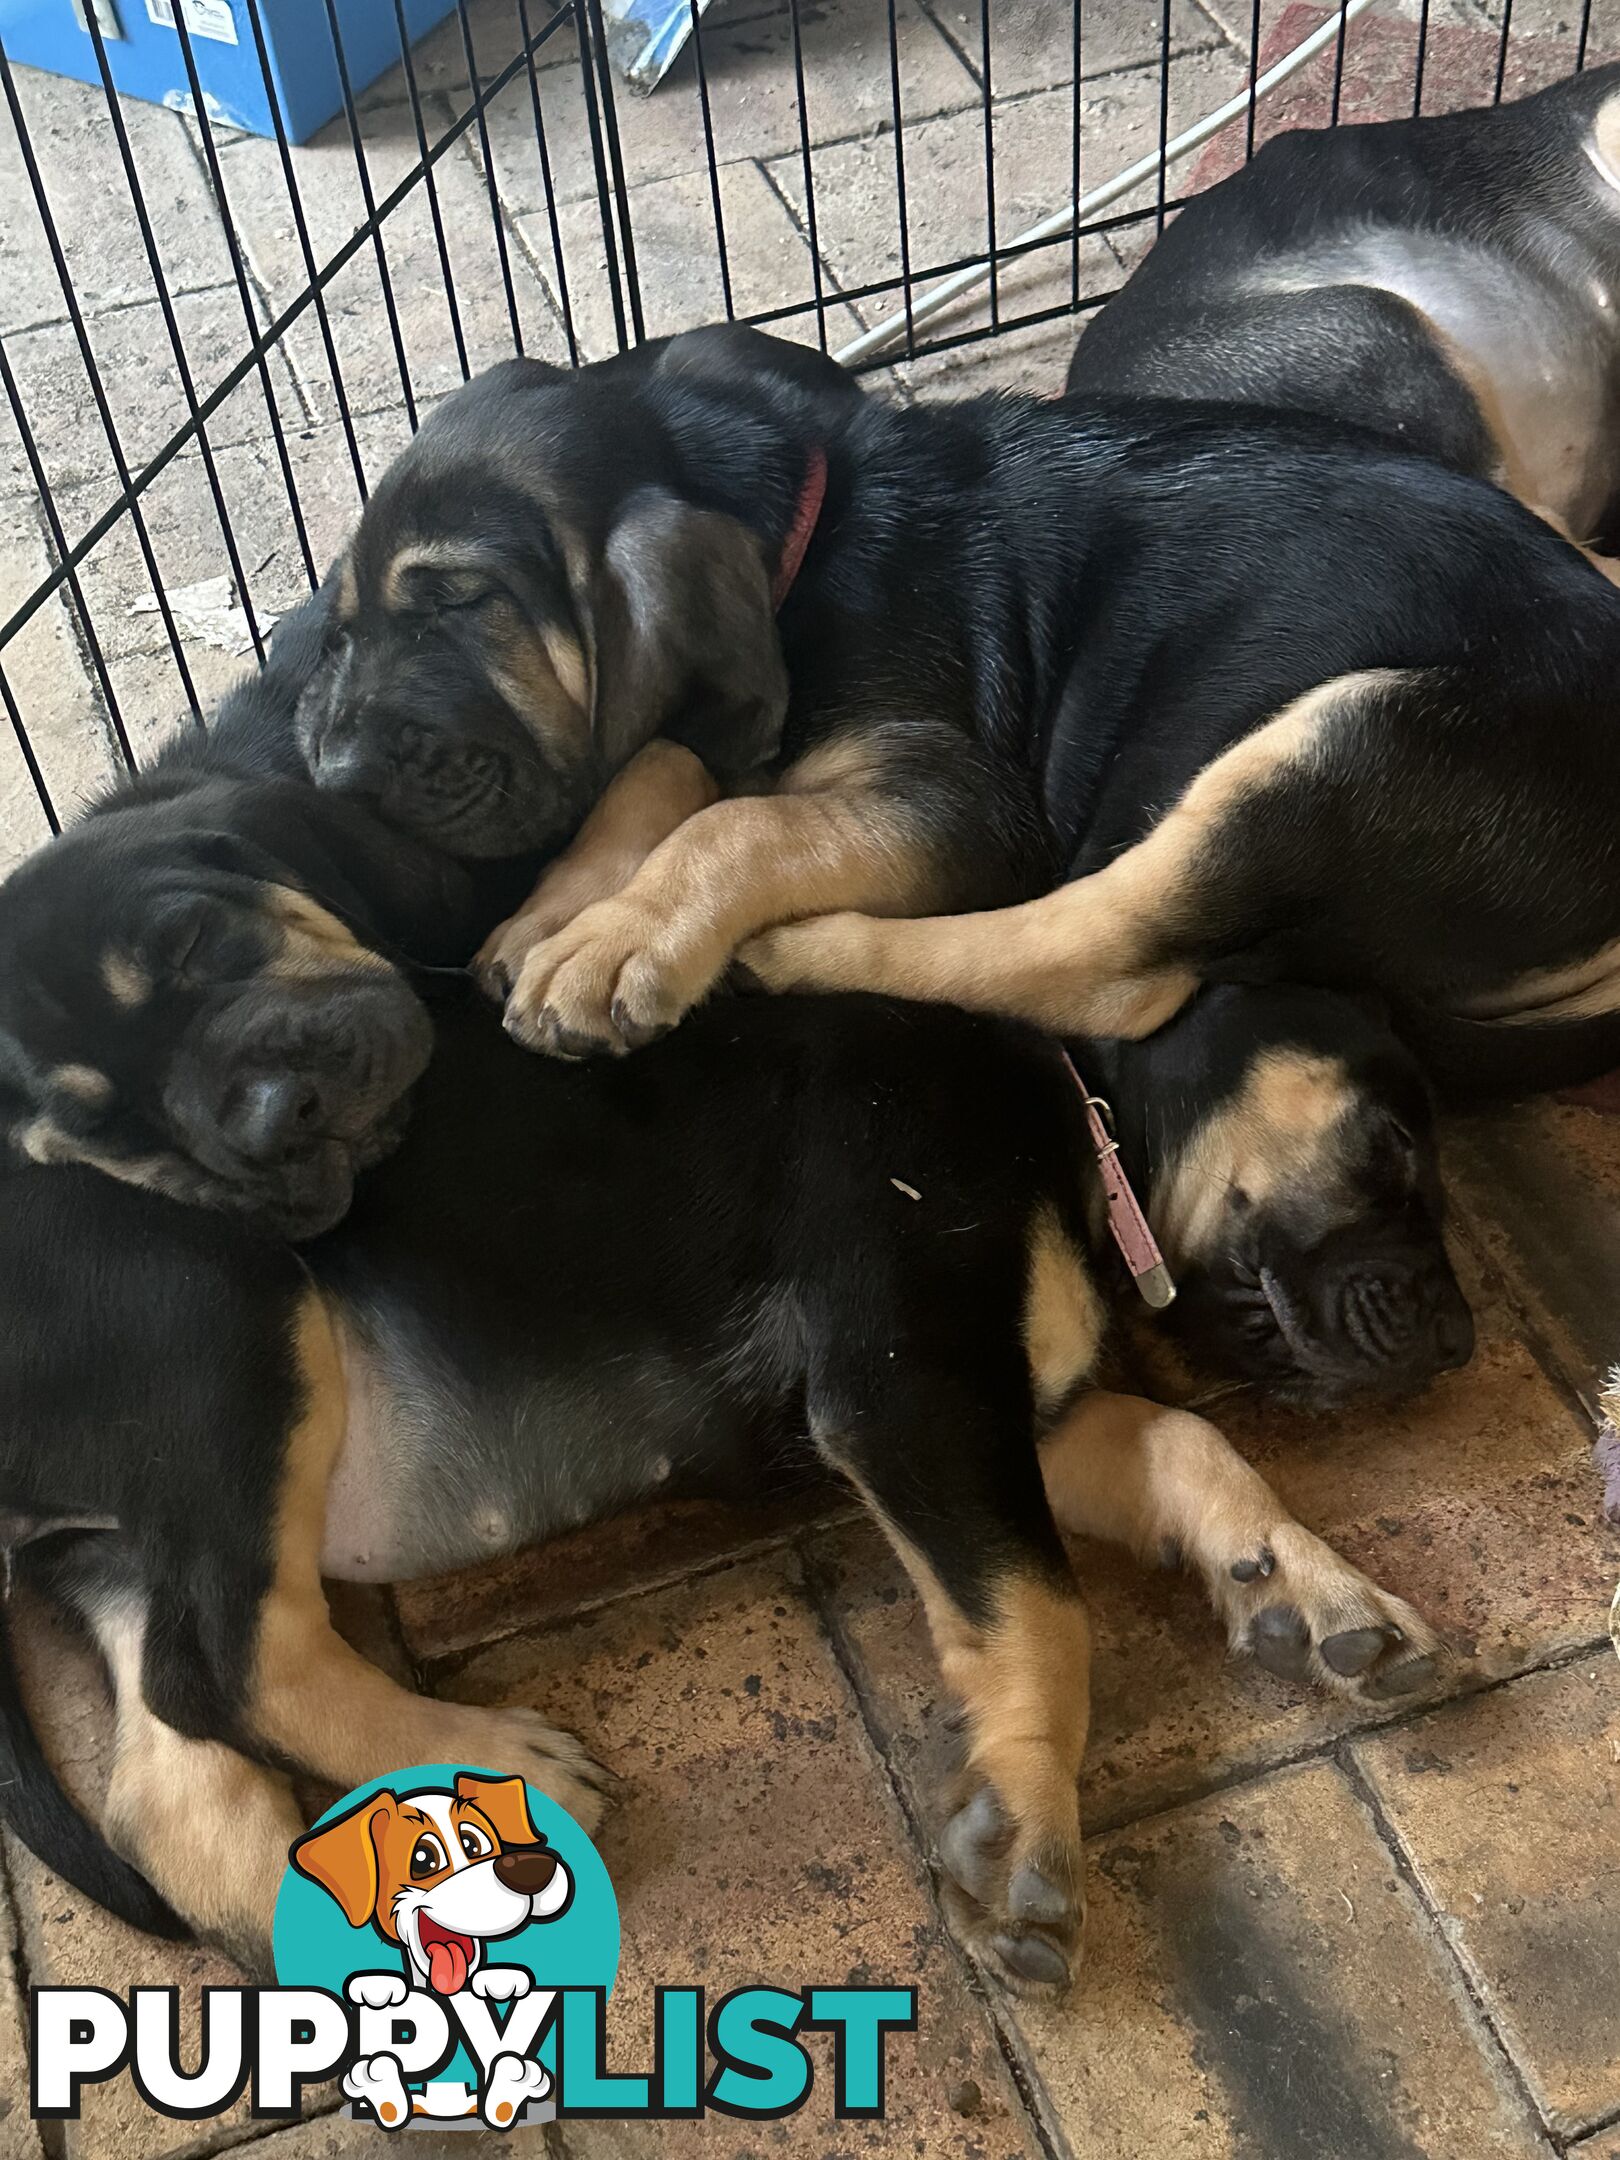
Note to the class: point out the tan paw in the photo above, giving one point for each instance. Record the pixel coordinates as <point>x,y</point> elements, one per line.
<point>499,960</point>
<point>613,980</point>
<point>1019,1914</point>
<point>1304,1613</point>
<point>519,1743</point>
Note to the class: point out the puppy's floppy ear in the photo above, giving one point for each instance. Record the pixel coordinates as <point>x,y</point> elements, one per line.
<point>342,1857</point>
<point>736,354</point>
<point>505,1801</point>
<point>684,637</point>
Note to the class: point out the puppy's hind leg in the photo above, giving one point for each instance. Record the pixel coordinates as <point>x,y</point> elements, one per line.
<point>1166,1484</point>
<point>315,1702</point>
<point>1115,953</point>
<point>945,1460</point>
<point>205,1826</point>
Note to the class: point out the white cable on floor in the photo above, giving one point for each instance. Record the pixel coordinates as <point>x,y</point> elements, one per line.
<point>941,295</point>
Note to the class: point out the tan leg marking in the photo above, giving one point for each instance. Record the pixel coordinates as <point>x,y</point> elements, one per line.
<point>1585,990</point>
<point>831,836</point>
<point>1162,1481</point>
<point>319,1703</point>
<point>1064,1318</point>
<point>205,1826</point>
<point>1087,958</point>
<point>660,788</point>
<point>1012,1846</point>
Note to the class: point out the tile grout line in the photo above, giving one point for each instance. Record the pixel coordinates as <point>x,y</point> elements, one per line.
<point>236,247</point>
<point>437,1666</point>
<point>1240,1778</point>
<point>115,308</point>
<point>1025,2079</point>
<point>1471,1981</point>
<point>79,633</point>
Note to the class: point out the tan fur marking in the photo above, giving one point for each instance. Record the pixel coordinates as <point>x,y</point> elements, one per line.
<point>661,787</point>
<point>126,982</point>
<point>1133,1473</point>
<point>1283,1127</point>
<point>1148,1479</point>
<point>1086,957</point>
<point>1063,1315</point>
<point>316,1700</point>
<point>523,671</point>
<point>1584,990</point>
<point>313,941</point>
<point>84,1083</point>
<point>42,1140</point>
<point>209,1829</point>
<point>1025,1683</point>
<point>423,555</point>
<point>667,936</point>
<point>569,665</point>
<point>347,604</point>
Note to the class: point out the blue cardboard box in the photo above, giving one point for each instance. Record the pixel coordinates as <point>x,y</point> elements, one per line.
<point>145,59</point>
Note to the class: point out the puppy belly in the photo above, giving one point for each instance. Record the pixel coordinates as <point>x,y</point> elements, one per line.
<point>1536,354</point>
<point>436,1474</point>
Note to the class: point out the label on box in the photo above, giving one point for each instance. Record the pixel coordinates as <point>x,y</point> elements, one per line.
<point>204,18</point>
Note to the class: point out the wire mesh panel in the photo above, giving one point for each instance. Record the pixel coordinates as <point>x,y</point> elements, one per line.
<point>211,343</point>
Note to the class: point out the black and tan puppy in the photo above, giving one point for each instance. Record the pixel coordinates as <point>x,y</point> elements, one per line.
<point>567,1290</point>
<point>1019,631</point>
<point>1452,282</point>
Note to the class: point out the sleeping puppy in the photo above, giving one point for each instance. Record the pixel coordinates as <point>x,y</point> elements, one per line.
<point>1282,1142</point>
<point>1450,282</point>
<point>1017,631</point>
<point>852,1236</point>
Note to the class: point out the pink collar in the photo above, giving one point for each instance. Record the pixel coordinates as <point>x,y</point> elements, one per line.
<point>1139,1248</point>
<point>808,509</point>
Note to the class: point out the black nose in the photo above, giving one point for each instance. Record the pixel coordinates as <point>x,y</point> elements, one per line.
<point>272,1117</point>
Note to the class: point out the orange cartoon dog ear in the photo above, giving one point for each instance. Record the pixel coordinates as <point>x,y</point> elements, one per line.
<point>506,1804</point>
<point>342,1856</point>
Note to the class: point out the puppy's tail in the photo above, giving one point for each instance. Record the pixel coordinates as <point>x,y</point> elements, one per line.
<point>35,1809</point>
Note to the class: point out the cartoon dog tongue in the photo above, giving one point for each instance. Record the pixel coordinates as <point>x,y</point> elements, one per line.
<point>448,1960</point>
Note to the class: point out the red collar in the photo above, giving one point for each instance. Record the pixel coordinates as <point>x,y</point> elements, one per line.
<point>806,511</point>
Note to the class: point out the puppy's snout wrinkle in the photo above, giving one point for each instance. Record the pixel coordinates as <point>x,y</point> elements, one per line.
<point>527,1869</point>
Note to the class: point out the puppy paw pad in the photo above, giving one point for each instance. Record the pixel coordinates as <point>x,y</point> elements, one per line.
<point>1280,1640</point>
<point>1035,1959</point>
<point>1352,1650</point>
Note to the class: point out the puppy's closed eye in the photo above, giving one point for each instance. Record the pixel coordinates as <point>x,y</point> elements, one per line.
<point>450,592</point>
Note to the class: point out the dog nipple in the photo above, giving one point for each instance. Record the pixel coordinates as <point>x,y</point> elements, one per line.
<point>492,1527</point>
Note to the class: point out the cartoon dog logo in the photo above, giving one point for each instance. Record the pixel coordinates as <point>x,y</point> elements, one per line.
<point>439,1875</point>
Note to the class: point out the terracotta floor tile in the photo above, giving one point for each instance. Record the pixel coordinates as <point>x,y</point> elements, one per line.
<point>1509,1807</point>
<point>757,1840</point>
<point>1476,1503</point>
<point>637,1551</point>
<point>19,2138</point>
<point>1260,1982</point>
<point>1539,1187</point>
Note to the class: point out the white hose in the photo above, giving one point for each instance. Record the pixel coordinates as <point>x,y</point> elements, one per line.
<point>1145,168</point>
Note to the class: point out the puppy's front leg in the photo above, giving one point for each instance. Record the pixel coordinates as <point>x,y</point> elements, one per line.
<point>1165,1482</point>
<point>662,786</point>
<point>834,835</point>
